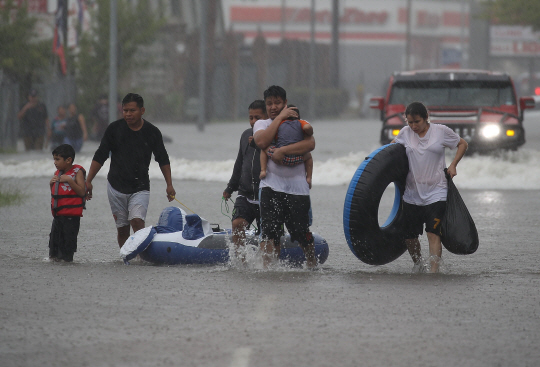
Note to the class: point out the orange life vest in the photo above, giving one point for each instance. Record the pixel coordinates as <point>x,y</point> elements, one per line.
<point>64,200</point>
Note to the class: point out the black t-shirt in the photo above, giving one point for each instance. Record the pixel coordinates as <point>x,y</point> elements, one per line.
<point>73,128</point>
<point>131,152</point>
<point>33,121</point>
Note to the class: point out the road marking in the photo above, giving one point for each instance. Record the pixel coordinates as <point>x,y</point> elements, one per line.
<point>265,307</point>
<point>262,314</point>
<point>241,357</point>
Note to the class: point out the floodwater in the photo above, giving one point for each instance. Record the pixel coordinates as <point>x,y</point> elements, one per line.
<point>481,310</point>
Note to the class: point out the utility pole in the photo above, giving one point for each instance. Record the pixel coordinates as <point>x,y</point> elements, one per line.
<point>113,63</point>
<point>479,37</point>
<point>312,63</point>
<point>202,66</point>
<point>283,19</point>
<point>64,30</point>
<point>463,50</point>
<point>334,54</point>
<point>408,36</point>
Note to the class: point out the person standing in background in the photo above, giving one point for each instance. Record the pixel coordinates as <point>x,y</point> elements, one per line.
<point>76,132</point>
<point>100,117</point>
<point>34,122</point>
<point>58,127</point>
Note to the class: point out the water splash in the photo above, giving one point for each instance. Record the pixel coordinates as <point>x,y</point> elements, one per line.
<point>518,170</point>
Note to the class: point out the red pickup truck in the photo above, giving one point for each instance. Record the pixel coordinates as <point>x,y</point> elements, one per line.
<point>481,106</point>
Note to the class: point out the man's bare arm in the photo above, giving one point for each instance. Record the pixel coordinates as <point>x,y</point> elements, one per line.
<point>166,170</point>
<point>92,172</point>
<point>300,148</point>
<point>263,138</point>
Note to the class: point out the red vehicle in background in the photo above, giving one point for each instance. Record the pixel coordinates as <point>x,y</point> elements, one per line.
<point>481,106</point>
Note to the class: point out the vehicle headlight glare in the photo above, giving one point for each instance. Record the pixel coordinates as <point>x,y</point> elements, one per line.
<point>490,131</point>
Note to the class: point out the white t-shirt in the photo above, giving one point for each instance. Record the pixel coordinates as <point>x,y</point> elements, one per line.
<point>426,182</point>
<point>287,179</point>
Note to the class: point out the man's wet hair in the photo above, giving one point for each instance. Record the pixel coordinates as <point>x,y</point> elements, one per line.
<point>275,91</point>
<point>417,109</point>
<point>133,97</point>
<point>65,151</point>
<point>297,110</point>
<point>258,104</point>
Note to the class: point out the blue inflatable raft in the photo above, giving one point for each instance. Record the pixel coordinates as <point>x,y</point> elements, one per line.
<point>188,239</point>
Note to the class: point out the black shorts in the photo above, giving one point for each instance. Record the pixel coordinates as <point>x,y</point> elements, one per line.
<point>63,237</point>
<point>246,210</point>
<point>416,216</point>
<point>278,208</point>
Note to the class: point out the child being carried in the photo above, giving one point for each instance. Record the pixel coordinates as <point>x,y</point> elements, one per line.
<point>290,131</point>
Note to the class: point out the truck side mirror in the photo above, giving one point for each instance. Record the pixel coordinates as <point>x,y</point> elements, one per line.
<point>527,102</point>
<point>376,103</point>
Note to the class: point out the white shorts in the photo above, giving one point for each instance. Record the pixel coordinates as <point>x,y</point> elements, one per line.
<point>126,207</point>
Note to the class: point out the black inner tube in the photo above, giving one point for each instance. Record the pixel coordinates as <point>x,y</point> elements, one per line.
<point>371,243</point>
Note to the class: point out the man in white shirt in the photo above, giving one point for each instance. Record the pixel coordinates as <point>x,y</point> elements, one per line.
<point>284,195</point>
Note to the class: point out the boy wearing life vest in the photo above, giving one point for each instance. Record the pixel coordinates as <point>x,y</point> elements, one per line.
<point>68,191</point>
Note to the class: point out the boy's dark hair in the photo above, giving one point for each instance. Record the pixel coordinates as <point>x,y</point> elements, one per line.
<point>275,91</point>
<point>258,104</point>
<point>297,110</point>
<point>65,151</point>
<point>417,109</point>
<point>133,97</point>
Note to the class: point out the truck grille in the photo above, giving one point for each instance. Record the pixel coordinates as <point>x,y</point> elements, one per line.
<point>463,131</point>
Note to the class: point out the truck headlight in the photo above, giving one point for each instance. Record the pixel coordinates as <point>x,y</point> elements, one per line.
<point>392,133</point>
<point>490,131</point>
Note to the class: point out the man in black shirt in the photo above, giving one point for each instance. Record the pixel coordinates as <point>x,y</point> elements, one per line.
<point>245,180</point>
<point>34,122</point>
<point>131,142</point>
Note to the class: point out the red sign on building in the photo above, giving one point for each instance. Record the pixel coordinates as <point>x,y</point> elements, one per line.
<point>34,6</point>
<point>514,41</point>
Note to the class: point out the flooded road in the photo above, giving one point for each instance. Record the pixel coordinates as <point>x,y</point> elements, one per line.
<point>481,310</point>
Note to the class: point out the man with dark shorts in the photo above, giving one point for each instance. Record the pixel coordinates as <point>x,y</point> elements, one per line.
<point>131,141</point>
<point>245,180</point>
<point>284,194</point>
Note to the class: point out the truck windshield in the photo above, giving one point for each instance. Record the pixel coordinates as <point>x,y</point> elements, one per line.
<point>453,93</point>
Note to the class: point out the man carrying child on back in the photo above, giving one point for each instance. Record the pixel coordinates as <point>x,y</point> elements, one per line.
<point>284,195</point>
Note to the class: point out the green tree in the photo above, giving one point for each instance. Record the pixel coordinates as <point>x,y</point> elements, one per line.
<point>515,12</point>
<point>21,57</point>
<point>137,25</point>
